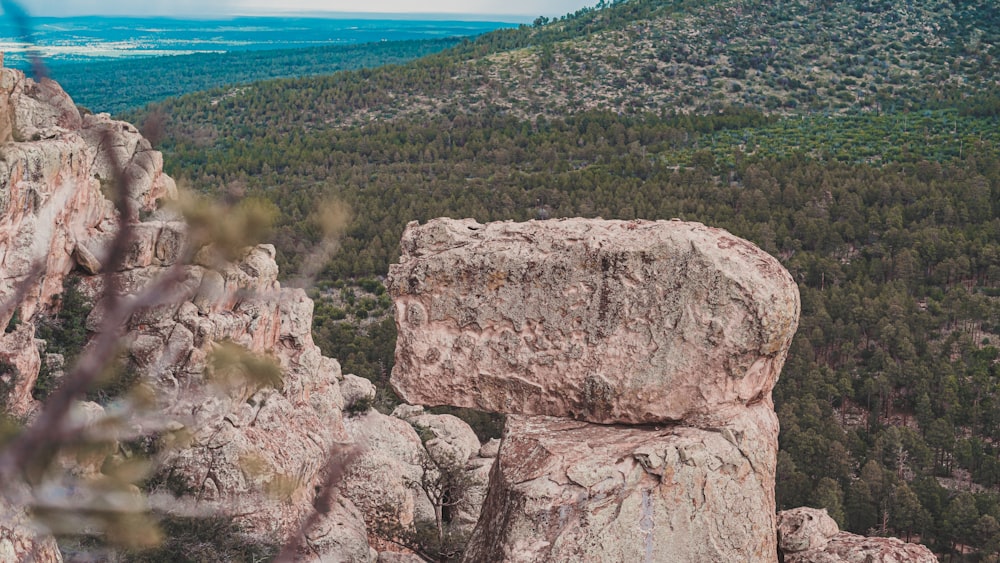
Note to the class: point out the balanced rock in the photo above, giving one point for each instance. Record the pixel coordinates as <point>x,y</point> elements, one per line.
<point>565,490</point>
<point>605,321</point>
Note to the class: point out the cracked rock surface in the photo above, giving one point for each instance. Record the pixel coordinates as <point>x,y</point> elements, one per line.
<point>256,449</point>
<point>649,349</point>
<point>605,321</point>
<point>809,535</point>
<point>564,490</point>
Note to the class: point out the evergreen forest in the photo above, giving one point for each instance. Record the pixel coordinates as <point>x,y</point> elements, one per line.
<point>117,86</point>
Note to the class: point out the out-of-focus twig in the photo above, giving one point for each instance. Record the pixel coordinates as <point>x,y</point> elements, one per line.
<point>339,459</point>
<point>49,430</point>
<point>23,23</point>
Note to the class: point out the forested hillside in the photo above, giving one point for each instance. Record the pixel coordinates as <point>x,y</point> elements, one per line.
<point>857,141</point>
<point>117,86</point>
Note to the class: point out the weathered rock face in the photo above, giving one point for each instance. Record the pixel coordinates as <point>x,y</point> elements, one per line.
<point>19,541</point>
<point>604,321</point>
<point>51,204</point>
<point>674,326</point>
<point>256,448</point>
<point>809,535</point>
<point>402,453</point>
<point>384,481</point>
<point>803,529</point>
<point>565,490</point>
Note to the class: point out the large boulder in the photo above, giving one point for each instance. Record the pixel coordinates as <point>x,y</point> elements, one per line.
<point>404,453</point>
<point>384,481</point>
<point>605,321</point>
<point>809,535</point>
<point>564,490</point>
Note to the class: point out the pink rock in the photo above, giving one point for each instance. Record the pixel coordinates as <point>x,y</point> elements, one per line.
<point>564,490</point>
<point>604,321</point>
<point>20,540</point>
<point>851,548</point>
<point>258,447</point>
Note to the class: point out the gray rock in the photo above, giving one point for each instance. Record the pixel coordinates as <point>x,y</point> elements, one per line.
<point>385,480</point>
<point>802,529</point>
<point>392,557</point>
<point>356,390</point>
<point>447,439</point>
<point>406,412</point>
<point>341,536</point>
<point>490,449</point>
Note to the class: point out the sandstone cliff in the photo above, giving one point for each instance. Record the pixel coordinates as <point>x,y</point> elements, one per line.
<point>254,449</point>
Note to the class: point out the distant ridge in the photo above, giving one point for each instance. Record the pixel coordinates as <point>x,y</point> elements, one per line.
<point>118,86</point>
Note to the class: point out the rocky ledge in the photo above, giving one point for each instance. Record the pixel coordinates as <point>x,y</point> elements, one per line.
<point>809,535</point>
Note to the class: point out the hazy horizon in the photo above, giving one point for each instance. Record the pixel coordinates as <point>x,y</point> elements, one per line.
<point>474,10</point>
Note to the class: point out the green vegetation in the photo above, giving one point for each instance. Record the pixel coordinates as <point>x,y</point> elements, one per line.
<point>117,86</point>
<point>64,333</point>
<point>648,55</point>
<point>8,382</point>
<point>842,137</point>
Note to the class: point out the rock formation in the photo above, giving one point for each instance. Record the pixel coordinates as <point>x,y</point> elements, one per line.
<point>604,321</point>
<point>809,535</point>
<point>636,360</point>
<point>19,539</point>
<point>254,447</point>
<point>405,455</point>
<point>662,339</point>
<point>51,203</point>
<point>565,490</point>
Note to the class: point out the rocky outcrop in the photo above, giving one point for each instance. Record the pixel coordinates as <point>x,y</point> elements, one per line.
<point>52,209</point>
<point>662,340</point>
<point>404,454</point>
<point>564,490</point>
<point>21,541</point>
<point>604,321</point>
<point>809,535</point>
<point>249,406</point>
<point>384,481</point>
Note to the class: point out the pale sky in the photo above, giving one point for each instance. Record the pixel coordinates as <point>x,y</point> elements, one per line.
<point>207,8</point>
